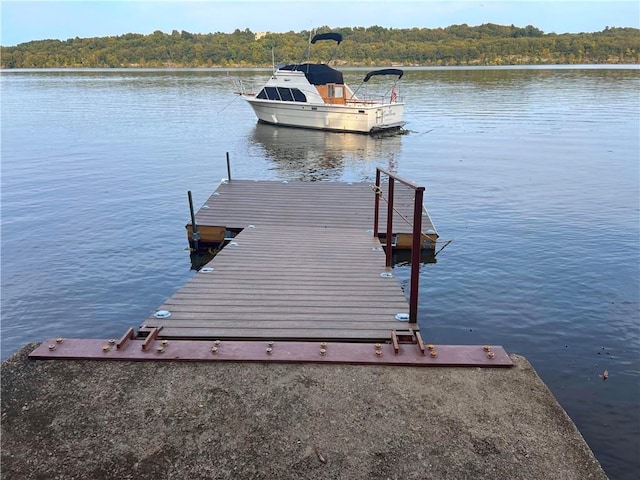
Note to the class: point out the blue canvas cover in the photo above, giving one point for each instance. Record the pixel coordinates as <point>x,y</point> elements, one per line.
<point>317,73</point>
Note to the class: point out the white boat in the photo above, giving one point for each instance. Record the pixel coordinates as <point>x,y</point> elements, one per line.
<point>314,95</point>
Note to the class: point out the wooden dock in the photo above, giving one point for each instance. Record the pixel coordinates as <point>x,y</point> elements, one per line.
<point>302,277</point>
<point>345,206</point>
<point>300,262</point>
<point>312,283</point>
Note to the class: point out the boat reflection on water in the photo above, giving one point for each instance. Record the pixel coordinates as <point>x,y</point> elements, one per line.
<point>315,155</point>
<point>312,155</point>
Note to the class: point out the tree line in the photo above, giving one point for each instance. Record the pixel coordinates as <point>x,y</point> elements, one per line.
<point>487,44</point>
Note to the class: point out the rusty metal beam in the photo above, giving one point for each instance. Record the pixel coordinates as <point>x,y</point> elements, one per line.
<point>416,249</point>
<point>278,352</point>
<point>389,234</point>
<point>125,338</point>
<point>420,343</point>
<point>394,342</point>
<point>153,334</point>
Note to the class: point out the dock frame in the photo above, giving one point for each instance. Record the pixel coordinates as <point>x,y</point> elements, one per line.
<point>298,275</point>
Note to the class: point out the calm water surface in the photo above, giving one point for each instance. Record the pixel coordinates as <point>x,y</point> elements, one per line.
<point>533,173</point>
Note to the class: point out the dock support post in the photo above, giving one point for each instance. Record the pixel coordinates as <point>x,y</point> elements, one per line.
<point>376,208</point>
<point>195,236</point>
<point>416,248</point>
<point>228,168</point>
<point>390,221</point>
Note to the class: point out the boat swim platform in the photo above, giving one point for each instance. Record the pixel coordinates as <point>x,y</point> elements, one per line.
<point>343,206</point>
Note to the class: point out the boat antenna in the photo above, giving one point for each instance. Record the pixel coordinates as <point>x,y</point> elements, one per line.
<point>273,59</point>
<point>307,51</point>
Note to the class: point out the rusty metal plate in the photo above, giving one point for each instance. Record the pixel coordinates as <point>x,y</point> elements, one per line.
<point>279,352</point>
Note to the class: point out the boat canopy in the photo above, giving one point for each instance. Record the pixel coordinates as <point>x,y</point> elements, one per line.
<point>327,36</point>
<point>317,73</point>
<point>385,71</point>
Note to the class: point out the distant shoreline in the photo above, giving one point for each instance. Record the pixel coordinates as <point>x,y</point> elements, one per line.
<point>563,66</point>
<point>456,45</point>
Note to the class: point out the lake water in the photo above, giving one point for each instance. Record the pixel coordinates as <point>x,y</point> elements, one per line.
<point>532,172</point>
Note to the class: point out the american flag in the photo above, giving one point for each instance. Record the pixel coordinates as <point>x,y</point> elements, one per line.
<point>394,94</point>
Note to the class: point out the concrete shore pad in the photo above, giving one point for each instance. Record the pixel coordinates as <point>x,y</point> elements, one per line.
<point>74,419</point>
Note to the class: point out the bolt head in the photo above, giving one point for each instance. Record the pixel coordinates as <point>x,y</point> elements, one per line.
<point>52,347</point>
<point>434,354</point>
<point>378,353</point>
<point>59,340</point>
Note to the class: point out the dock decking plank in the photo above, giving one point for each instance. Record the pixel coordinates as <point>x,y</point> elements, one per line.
<point>290,334</point>
<point>239,203</point>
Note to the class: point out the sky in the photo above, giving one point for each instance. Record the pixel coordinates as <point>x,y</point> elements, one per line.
<point>26,20</point>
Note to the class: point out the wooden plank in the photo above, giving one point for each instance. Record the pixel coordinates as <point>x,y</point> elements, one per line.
<point>303,298</point>
<point>299,291</point>
<point>316,334</point>
<point>208,233</point>
<point>278,323</point>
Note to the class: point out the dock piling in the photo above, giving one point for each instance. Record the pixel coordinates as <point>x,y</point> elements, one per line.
<point>195,235</point>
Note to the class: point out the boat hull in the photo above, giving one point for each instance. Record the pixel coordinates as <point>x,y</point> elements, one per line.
<point>357,118</point>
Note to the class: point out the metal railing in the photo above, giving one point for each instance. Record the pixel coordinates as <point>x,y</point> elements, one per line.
<point>416,243</point>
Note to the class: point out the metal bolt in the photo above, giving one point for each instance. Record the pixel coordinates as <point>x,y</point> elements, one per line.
<point>378,352</point>
<point>323,344</point>
<point>52,346</point>
<point>434,354</point>
<point>270,344</point>
<point>323,351</point>
<point>487,348</point>
<point>59,340</point>
<point>112,341</point>
<point>106,348</point>
<point>269,350</point>
<point>217,342</point>
<point>490,355</point>
<point>214,349</point>
<point>431,346</point>
<point>160,349</point>
<point>377,345</point>
<point>165,342</point>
